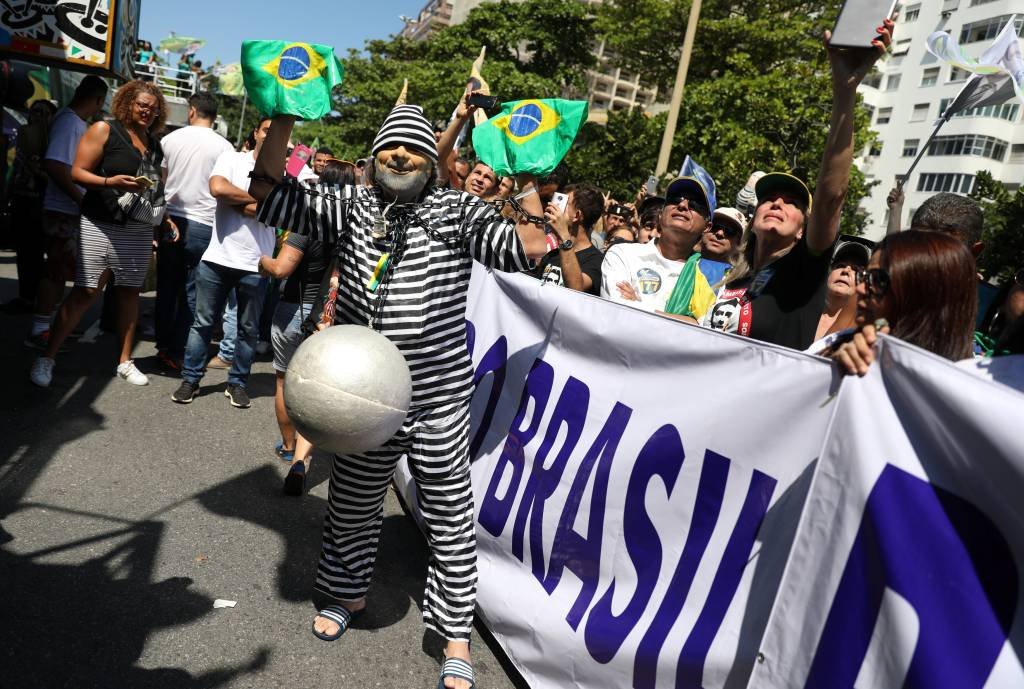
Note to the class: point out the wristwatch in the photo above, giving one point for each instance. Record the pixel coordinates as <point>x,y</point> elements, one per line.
<point>566,245</point>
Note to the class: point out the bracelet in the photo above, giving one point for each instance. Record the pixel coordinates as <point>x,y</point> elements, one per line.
<point>105,181</point>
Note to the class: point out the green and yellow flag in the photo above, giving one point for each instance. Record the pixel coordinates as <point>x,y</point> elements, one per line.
<point>285,78</point>
<point>530,136</point>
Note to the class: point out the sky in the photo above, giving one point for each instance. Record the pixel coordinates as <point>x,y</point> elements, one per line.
<point>225,24</point>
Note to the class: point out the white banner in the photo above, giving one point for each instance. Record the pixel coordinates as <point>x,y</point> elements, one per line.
<point>641,491</point>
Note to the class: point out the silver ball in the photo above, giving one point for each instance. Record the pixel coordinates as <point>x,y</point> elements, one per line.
<point>347,389</point>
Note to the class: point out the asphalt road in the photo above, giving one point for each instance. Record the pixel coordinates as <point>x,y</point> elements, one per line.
<point>123,516</point>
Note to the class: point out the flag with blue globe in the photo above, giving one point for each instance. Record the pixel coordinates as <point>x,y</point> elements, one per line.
<point>284,78</point>
<point>529,136</point>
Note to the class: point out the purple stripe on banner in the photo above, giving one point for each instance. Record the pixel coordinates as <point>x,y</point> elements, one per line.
<point>727,580</point>
<point>710,491</point>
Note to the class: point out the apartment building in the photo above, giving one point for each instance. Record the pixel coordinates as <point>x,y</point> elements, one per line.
<point>608,87</point>
<point>912,90</point>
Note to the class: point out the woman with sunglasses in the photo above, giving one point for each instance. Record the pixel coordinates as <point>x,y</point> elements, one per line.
<point>776,290</point>
<point>919,286</point>
<point>118,162</point>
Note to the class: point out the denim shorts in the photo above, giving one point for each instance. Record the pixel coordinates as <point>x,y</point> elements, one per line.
<point>286,332</point>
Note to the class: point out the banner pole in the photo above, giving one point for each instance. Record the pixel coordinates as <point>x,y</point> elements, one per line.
<point>241,118</point>
<point>920,154</point>
<point>677,89</point>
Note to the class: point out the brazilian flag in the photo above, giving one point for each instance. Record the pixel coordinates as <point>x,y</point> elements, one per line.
<point>285,78</point>
<point>530,136</point>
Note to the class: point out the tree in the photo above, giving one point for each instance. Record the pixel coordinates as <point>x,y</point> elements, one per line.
<point>537,48</point>
<point>618,156</point>
<point>758,92</point>
<point>1004,227</point>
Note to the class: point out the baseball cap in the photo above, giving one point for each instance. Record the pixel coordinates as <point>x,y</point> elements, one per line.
<point>857,250</point>
<point>679,185</point>
<point>783,182</point>
<point>731,216</point>
<point>649,204</point>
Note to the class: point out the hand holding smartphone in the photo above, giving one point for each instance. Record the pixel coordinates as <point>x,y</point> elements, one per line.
<point>483,102</point>
<point>855,27</point>
<point>144,182</point>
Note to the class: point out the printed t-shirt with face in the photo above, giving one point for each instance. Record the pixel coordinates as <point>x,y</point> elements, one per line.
<point>651,275</point>
<point>781,304</point>
<point>65,133</point>
<point>550,268</point>
<point>238,241</point>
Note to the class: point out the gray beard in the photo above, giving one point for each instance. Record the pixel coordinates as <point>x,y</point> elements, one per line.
<point>405,187</point>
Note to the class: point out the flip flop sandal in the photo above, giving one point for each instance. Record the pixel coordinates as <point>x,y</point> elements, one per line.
<point>295,481</point>
<point>339,615</point>
<point>457,668</point>
<point>286,455</point>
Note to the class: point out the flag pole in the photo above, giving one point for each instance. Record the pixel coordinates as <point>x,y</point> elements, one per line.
<point>241,118</point>
<point>677,89</point>
<point>920,154</point>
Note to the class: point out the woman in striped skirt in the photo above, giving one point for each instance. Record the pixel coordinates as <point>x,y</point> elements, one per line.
<point>115,235</point>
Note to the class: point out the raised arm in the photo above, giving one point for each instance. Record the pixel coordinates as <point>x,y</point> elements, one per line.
<point>531,233</point>
<point>895,203</point>
<point>849,67</point>
<point>270,159</point>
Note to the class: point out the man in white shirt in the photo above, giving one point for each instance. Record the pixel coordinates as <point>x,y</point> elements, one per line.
<point>230,262</point>
<point>189,157</point>
<point>61,203</point>
<point>644,275</point>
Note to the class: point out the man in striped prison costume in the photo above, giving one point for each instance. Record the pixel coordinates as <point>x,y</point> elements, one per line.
<point>406,251</point>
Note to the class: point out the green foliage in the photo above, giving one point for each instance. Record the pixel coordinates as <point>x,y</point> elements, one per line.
<point>535,49</point>
<point>1004,227</point>
<point>758,92</point>
<point>619,156</point>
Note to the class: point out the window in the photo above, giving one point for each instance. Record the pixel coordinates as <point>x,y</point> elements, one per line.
<point>910,147</point>
<point>920,113</point>
<point>875,150</point>
<point>957,74</point>
<point>1017,153</point>
<point>987,29</point>
<point>980,2</point>
<point>911,13</point>
<point>930,76</point>
<point>968,145</point>
<point>954,182</point>
<point>901,47</point>
<point>884,115</point>
<point>873,79</point>
<point>892,82</point>
<point>1006,111</point>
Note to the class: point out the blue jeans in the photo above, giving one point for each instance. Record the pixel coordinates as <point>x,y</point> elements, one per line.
<point>175,284</point>
<point>230,336</point>
<point>213,282</point>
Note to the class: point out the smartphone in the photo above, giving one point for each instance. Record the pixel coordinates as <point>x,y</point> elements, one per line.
<point>560,201</point>
<point>300,156</point>
<point>855,27</point>
<point>144,182</point>
<point>483,102</point>
<point>652,185</point>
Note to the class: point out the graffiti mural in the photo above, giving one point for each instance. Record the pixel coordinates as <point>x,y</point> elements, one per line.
<point>89,33</point>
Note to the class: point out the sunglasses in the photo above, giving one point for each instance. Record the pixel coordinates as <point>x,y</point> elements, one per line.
<point>1018,278</point>
<point>875,279</point>
<point>728,230</point>
<point>693,202</point>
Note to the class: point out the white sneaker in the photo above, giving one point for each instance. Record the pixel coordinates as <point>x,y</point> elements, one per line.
<point>42,371</point>
<point>133,375</point>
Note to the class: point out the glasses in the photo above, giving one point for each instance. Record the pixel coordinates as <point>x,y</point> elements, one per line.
<point>693,202</point>
<point>875,279</point>
<point>146,107</point>
<point>728,230</point>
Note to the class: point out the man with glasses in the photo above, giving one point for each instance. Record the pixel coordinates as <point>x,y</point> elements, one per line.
<point>721,242</point>
<point>647,276</point>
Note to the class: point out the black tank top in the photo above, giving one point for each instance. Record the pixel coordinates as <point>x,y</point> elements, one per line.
<point>120,157</point>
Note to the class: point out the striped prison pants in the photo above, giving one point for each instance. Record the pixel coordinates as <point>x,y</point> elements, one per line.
<point>436,442</point>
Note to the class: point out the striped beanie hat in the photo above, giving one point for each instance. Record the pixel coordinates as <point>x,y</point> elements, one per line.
<point>406,126</point>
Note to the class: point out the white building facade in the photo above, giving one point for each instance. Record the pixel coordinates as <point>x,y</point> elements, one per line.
<point>910,94</point>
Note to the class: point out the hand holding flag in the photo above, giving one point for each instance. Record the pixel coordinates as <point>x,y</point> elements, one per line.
<point>285,78</point>
<point>529,136</point>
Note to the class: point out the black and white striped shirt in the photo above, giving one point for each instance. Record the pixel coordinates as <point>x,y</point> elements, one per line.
<point>424,312</point>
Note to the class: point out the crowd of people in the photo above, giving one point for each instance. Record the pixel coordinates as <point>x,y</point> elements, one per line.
<point>268,259</point>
